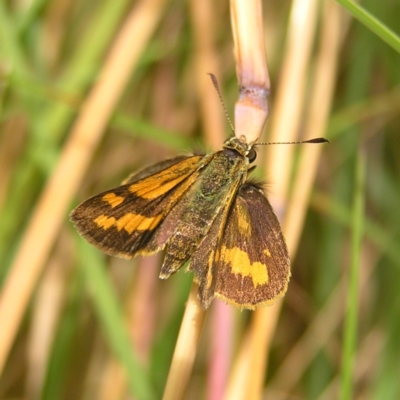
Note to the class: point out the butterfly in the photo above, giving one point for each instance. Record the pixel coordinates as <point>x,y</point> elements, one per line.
<point>202,209</point>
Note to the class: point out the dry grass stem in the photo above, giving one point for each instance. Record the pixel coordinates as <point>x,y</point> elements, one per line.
<point>316,123</point>
<point>251,110</point>
<point>85,135</point>
<point>45,317</point>
<point>245,381</point>
<point>206,61</point>
<point>185,349</point>
<point>289,101</point>
<point>222,326</point>
<point>140,306</point>
<point>237,384</point>
<point>113,382</point>
<point>13,136</point>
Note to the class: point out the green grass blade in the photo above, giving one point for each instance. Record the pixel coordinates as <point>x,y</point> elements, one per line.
<point>351,318</point>
<point>372,23</point>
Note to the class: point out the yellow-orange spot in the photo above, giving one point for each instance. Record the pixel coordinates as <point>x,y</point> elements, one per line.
<point>159,184</point>
<point>241,265</point>
<point>131,222</point>
<point>154,189</point>
<point>149,223</point>
<point>112,199</point>
<point>267,253</point>
<point>104,222</point>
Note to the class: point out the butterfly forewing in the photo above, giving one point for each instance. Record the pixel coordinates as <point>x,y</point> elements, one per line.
<point>121,221</point>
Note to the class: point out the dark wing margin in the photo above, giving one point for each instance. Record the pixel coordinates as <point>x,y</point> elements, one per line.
<point>121,221</point>
<point>244,261</point>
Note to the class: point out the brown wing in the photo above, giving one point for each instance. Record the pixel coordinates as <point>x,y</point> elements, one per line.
<point>252,261</point>
<point>121,221</point>
<point>244,260</point>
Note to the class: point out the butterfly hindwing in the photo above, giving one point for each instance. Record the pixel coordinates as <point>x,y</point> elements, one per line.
<point>251,262</point>
<point>121,221</point>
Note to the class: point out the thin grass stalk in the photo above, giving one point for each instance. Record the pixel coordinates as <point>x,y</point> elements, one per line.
<point>351,321</point>
<point>47,310</point>
<point>221,338</point>
<point>290,97</point>
<point>251,110</point>
<point>237,385</point>
<point>261,333</point>
<point>206,61</point>
<point>85,135</point>
<point>186,348</point>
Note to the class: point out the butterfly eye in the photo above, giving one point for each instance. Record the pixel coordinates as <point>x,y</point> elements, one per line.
<point>252,155</point>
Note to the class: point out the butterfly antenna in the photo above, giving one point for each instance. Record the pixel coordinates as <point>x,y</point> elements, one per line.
<point>315,140</point>
<point>215,83</point>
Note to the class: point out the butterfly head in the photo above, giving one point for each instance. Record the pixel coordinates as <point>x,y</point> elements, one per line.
<point>246,150</point>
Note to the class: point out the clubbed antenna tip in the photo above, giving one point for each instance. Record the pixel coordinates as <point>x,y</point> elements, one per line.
<point>315,140</point>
